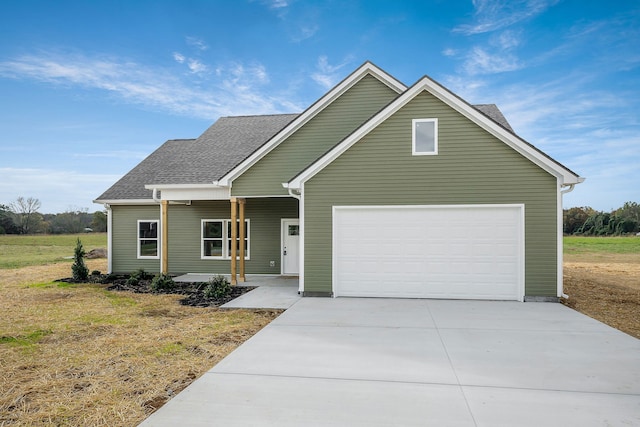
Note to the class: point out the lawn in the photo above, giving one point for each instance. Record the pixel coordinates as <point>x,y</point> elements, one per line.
<point>22,251</point>
<point>583,248</point>
<point>83,355</point>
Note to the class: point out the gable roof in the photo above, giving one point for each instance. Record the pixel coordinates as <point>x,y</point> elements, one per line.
<point>368,68</point>
<point>198,161</point>
<point>485,116</point>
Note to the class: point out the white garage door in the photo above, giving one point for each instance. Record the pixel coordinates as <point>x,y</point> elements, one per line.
<point>464,252</point>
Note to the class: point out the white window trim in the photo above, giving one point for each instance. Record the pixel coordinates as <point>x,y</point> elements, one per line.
<point>413,137</point>
<point>225,239</point>
<point>139,239</point>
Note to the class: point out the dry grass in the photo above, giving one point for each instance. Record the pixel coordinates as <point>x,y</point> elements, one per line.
<point>81,355</point>
<point>605,287</point>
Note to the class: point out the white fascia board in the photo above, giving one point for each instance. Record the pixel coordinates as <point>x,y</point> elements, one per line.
<point>312,111</point>
<point>191,191</point>
<point>125,202</point>
<point>426,84</point>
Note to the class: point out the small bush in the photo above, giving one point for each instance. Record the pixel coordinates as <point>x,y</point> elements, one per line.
<point>217,288</point>
<point>163,283</point>
<point>79,270</point>
<point>96,273</point>
<point>140,274</point>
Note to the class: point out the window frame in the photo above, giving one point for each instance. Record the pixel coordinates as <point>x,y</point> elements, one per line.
<point>139,239</point>
<point>226,239</point>
<point>414,150</point>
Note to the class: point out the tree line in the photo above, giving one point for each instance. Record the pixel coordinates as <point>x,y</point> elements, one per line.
<point>590,222</point>
<point>22,217</point>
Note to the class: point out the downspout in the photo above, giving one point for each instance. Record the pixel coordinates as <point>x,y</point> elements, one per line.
<point>109,238</point>
<point>155,195</point>
<point>562,193</point>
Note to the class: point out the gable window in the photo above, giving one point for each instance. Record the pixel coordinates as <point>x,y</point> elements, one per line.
<point>216,239</point>
<point>148,239</point>
<point>425,137</point>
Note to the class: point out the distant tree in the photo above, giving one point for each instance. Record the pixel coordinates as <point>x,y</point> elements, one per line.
<point>596,225</point>
<point>26,215</point>
<point>99,222</point>
<point>7,226</point>
<point>630,210</point>
<point>589,222</point>
<point>71,221</point>
<point>574,218</point>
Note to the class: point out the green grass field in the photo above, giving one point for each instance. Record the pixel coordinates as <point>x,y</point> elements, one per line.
<point>22,251</point>
<point>601,245</point>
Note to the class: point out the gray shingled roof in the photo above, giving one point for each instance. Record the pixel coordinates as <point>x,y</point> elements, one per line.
<point>492,111</point>
<point>219,149</point>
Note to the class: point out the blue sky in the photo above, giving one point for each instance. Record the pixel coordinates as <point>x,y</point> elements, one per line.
<point>89,88</point>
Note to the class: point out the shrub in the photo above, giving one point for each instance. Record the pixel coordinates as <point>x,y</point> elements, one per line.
<point>79,270</point>
<point>96,273</point>
<point>218,287</point>
<point>138,275</point>
<point>163,283</point>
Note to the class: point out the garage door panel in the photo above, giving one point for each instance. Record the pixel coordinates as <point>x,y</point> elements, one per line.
<point>471,252</point>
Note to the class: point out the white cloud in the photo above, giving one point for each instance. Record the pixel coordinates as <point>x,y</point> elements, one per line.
<point>492,15</point>
<point>278,4</point>
<point>328,75</point>
<point>196,42</point>
<point>180,58</point>
<point>449,52</point>
<point>480,61</point>
<point>196,66</point>
<point>233,89</point>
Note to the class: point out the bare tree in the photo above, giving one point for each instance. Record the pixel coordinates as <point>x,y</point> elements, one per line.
<point>26,213</point>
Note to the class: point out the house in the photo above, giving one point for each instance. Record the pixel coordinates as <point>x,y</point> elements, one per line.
<point>376,190</point>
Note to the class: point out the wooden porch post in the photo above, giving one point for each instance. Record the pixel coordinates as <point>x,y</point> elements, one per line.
<point>164,237</point>
<point>241,203</point>
<point>234,236</point>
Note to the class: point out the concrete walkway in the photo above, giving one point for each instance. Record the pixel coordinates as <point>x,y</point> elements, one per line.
<point>391,362</point>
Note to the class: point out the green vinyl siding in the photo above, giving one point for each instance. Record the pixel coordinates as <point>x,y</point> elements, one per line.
<point>264,217</point>
<point>316,137</point>
<point>471,167</point>
<point>184,240</point>
<point>124,237</point>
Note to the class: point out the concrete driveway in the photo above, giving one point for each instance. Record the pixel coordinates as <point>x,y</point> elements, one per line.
<point>391,362</point>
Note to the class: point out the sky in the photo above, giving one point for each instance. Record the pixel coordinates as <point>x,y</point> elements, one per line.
<point>90,88</point>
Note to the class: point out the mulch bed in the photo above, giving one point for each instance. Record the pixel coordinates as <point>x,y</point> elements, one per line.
<point>193,291</point>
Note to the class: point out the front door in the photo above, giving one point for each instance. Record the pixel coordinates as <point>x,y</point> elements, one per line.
<point>290,246</point>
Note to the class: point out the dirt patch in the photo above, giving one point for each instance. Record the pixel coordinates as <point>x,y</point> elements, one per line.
<point>606,291</point>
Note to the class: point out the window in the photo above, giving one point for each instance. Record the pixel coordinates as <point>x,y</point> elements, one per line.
<point>425,137</point>
<point>216,239</point>
<point>148,239</point>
